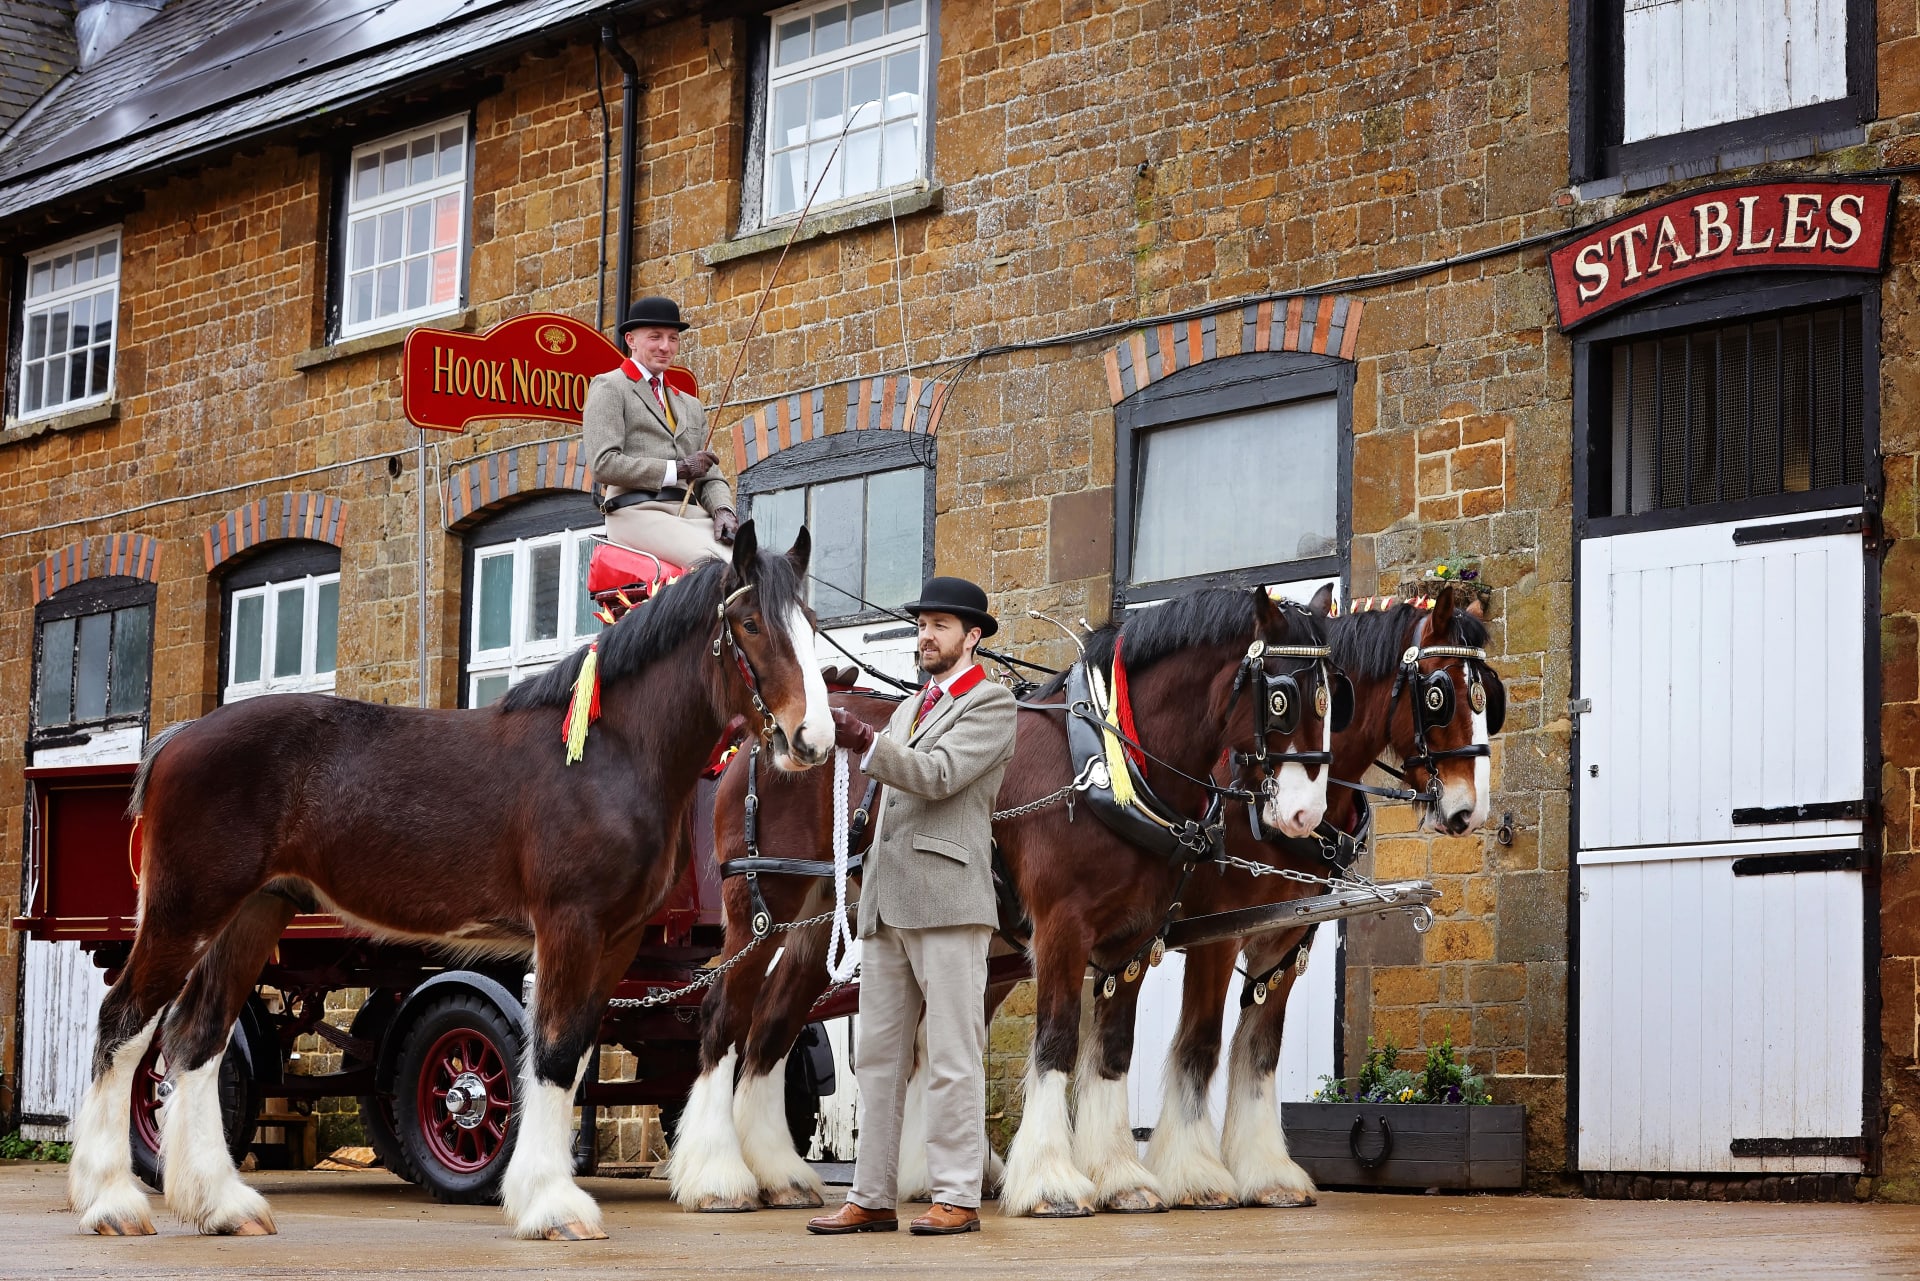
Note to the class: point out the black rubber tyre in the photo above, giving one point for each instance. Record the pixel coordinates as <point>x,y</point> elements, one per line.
<point>379,1120</point>
<point>238,1106</point>
<point>460,1041</point>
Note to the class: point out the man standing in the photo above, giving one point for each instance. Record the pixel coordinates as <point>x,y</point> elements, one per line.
<point>926,914</point>
<point>644,444</point>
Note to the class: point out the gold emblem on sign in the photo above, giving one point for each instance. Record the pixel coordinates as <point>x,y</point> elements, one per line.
<point>555,339</point>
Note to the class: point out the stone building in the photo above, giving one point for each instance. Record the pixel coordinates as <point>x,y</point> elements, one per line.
<point>1056,233</point>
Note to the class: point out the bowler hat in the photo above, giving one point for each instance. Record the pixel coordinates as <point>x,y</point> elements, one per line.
<point>653,311</point>
<point>956,596</point>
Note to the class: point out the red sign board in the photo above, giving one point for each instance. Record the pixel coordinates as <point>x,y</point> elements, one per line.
<point>533,366</point>
<point>1810,224</point>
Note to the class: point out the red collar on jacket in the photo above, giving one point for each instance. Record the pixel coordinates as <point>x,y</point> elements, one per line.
<point>968,679</point>
<point>634,371</point>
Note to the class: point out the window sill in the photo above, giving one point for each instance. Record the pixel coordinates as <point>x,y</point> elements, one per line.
<point>827,223</point>
<point>105,411</point>
<point>318,356</point>
<point>1720,160</point>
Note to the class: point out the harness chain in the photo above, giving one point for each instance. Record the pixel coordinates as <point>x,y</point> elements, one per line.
<point>709,977</point>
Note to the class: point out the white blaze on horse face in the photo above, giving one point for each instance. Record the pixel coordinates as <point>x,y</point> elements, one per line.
<point>811,742</point>
<point>1296,803</point>
<point>1471,795</point>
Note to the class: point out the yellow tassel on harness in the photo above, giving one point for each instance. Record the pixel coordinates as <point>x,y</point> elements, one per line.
<point>1121,779</point>
<point>585,707</point>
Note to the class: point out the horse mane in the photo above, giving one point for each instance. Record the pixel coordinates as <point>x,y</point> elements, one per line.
<point>1368,645</point>
<point>657,626</point>
<point>1210,616</point>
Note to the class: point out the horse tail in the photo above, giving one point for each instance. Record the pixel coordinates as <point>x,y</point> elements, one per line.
<point>147,758</point>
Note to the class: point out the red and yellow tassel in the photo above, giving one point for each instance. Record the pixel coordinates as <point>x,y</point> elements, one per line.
<point>585,707</point>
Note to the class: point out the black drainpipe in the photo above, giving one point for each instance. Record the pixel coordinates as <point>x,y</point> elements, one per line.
<point>629,150</point>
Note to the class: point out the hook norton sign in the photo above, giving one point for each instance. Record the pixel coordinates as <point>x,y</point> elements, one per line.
<point>1809,224</point>
<point>532,366</point>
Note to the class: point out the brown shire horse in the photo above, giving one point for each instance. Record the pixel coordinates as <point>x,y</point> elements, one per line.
<point>464,827</point>
<point>1247,1162</point>
<point>1090,893</point>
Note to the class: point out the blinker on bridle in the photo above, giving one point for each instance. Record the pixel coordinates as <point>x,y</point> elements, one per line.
<point>1432,698</point>
<point>1280,701</point>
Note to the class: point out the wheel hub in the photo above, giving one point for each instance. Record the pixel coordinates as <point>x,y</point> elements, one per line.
<point>467,1100</point>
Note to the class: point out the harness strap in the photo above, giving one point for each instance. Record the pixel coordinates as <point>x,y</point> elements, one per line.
<point>1268,980</point>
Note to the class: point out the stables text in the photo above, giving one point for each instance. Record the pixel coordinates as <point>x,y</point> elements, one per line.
<point>1820,226</point>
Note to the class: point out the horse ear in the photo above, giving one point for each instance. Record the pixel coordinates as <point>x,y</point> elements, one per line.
<point>746,549</point>
<point>1440,621</point>
<point>1475,608</point>
<point>801,552</point>
<point>1322,602</point>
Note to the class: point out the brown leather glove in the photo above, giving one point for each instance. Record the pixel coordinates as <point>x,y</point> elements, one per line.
<point>725,525</point>
<point>696,466</point>
<point>850,732</point>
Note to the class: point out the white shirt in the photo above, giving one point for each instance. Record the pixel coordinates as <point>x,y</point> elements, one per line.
<point>946,691</point>
<point>657,383</point>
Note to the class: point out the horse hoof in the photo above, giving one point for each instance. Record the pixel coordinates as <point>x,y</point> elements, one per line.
<point>791,1199</point>
<point>1208,1201</point>
<point>1281,1199</point>
<point>124,1228</point>
<point>1062,1210</point>
<point>725,1205</point>
<point>575,1231</point>
<point>1134,1201</point>
<point>249,1228</point>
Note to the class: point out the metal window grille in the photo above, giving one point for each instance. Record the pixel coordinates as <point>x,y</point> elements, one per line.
<point>1734,412</point>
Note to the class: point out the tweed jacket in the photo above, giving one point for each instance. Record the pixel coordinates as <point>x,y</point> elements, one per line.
<point>931,861</point>
<point>629,442</point>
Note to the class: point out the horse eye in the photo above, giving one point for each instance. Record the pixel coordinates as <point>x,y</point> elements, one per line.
<point>752,626</point>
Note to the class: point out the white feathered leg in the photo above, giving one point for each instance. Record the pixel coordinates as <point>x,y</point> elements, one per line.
<point>707,1171</point>
<point>784,1179</point>
<point>538,1192</point>
<point>1042,1179</point>
<point>1185,1152</point>
<point>203,1188</point>
<point>1103,1142</point>
<point>1254,1145</point>
<point>100,1182</point>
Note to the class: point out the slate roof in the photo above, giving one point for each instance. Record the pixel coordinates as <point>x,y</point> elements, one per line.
<point>36,49</point>
<point>207,73</point>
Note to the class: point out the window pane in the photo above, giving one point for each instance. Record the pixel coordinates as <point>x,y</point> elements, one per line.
<point>90,675</point>
<point>63,271</point>
<point>366,177</point>
<point>863,88</point>
<point>103,315</point>
<point>83,266</point>
<point>453,153</point>
<point>418,270</point>
<point>794,41</point>
<point>132,654</point>
<point>387,295</point>
<point>37,337</point>
<point>839,535</point>
<point>829,30</point>
<point>902,14</point>
<point>289,630</point>
<point>1270,477</point>
<point>790,114</point>
<point>34,378</point>
<point>57,380</point>
<point>868,20</point>
<point>901,154</point>
<point>392,233</point>
<point>361,307</point>
<point>326,643</point>
<point>420,227</point>
<point>896,521</point>
<point>55,700</point>
<point>109,258</point>
<point>543,596</point>
<point>489,689</point>
<point>249,613</point>
<point>446,275</point>
<point>395,164</point>
<point>586,616</point>
<point>423,152</point>
<point>446,221</point>
<point>59,330</point>
<point>829,96</point>
<point>903,84</point>
<point>496,601</point>
<point>777,517</point>
<point>789,179</point>
<point>102,369</point>
<point>818,162</point>
<point>860,154</point>
<point>41,280</point>
<point>361,254</point>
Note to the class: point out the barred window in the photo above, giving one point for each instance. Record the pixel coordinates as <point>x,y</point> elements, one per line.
<point>73,290</point>
<point>406,226</point>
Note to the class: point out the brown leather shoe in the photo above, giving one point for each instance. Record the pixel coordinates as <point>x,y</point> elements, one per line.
<point>946,1220</point>
<point>853,1218</point>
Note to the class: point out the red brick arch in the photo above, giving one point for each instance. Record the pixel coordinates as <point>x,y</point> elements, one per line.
<point>310,516</point>
<point>134,555</point>
<point>1325,324</point>
<point>898,403</point>
<point>476,490</point>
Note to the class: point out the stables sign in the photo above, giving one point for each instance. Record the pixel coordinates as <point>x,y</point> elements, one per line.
<point>1812,225</point>
<point>533,366</point>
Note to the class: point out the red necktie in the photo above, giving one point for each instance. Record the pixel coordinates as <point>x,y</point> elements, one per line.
<point>927,701</point>
<point>654,381</point>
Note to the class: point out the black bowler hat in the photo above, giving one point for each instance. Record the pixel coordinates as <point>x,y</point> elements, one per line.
<point>652,312</point>
<point>956,596</point>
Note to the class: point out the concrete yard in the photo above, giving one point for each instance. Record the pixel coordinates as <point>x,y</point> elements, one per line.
<point>370,1224</point>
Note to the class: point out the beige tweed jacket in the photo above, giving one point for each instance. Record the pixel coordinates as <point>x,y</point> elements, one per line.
<point>630,442</point>
<point>931,862</point>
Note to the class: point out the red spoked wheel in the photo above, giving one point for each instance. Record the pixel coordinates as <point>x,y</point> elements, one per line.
<point>454,1087</point>
<point>238,1105</point>
<point>150,1090</point>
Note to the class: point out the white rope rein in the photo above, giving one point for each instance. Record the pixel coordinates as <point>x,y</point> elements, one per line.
<point>843,955</point>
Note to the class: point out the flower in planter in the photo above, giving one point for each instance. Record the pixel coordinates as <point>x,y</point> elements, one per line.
<point>1457,569</point>
<point>1442,1078</point>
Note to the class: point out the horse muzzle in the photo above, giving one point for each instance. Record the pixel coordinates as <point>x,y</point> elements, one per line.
<point>804,750</point>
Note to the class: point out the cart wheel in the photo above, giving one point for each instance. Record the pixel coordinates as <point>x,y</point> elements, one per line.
<point>238,1106</point>
<point>378,1120</point>
<point>454,1087</point>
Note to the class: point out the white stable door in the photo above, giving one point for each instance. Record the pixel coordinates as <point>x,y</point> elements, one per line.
<point>61,1007</point>
<point>1720,963</point>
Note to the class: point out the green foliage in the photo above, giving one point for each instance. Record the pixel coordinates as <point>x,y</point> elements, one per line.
<point>15,1148</point>
<point>1441,1079</point>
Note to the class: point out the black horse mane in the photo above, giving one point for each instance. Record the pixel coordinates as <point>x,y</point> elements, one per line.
<point>1368,645</point>
<point>656,627</point>
<point>1210,616</point>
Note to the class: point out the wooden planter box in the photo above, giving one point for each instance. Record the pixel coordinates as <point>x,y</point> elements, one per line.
<point>1464,593</point>
<point>1409,1145</point>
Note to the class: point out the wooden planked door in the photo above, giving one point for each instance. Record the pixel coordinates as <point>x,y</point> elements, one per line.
<point>1720,966</point>
<point>60,1006</point>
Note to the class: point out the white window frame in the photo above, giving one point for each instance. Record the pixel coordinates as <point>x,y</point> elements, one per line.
<point>523,656</point>
<point>367,211</point>
<point>56,297</point>
<point>307,680</point>
<point>778,77</point>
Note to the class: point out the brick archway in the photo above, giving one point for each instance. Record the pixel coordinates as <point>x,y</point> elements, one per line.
<point>474,491</point>
<point>310,516</point>
<point>1323,324</point>
<point>898,403</point>
<point>134,555</point>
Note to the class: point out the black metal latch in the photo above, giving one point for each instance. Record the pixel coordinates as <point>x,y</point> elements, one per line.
<point>1825,526</point>
<point>1755,816</point>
